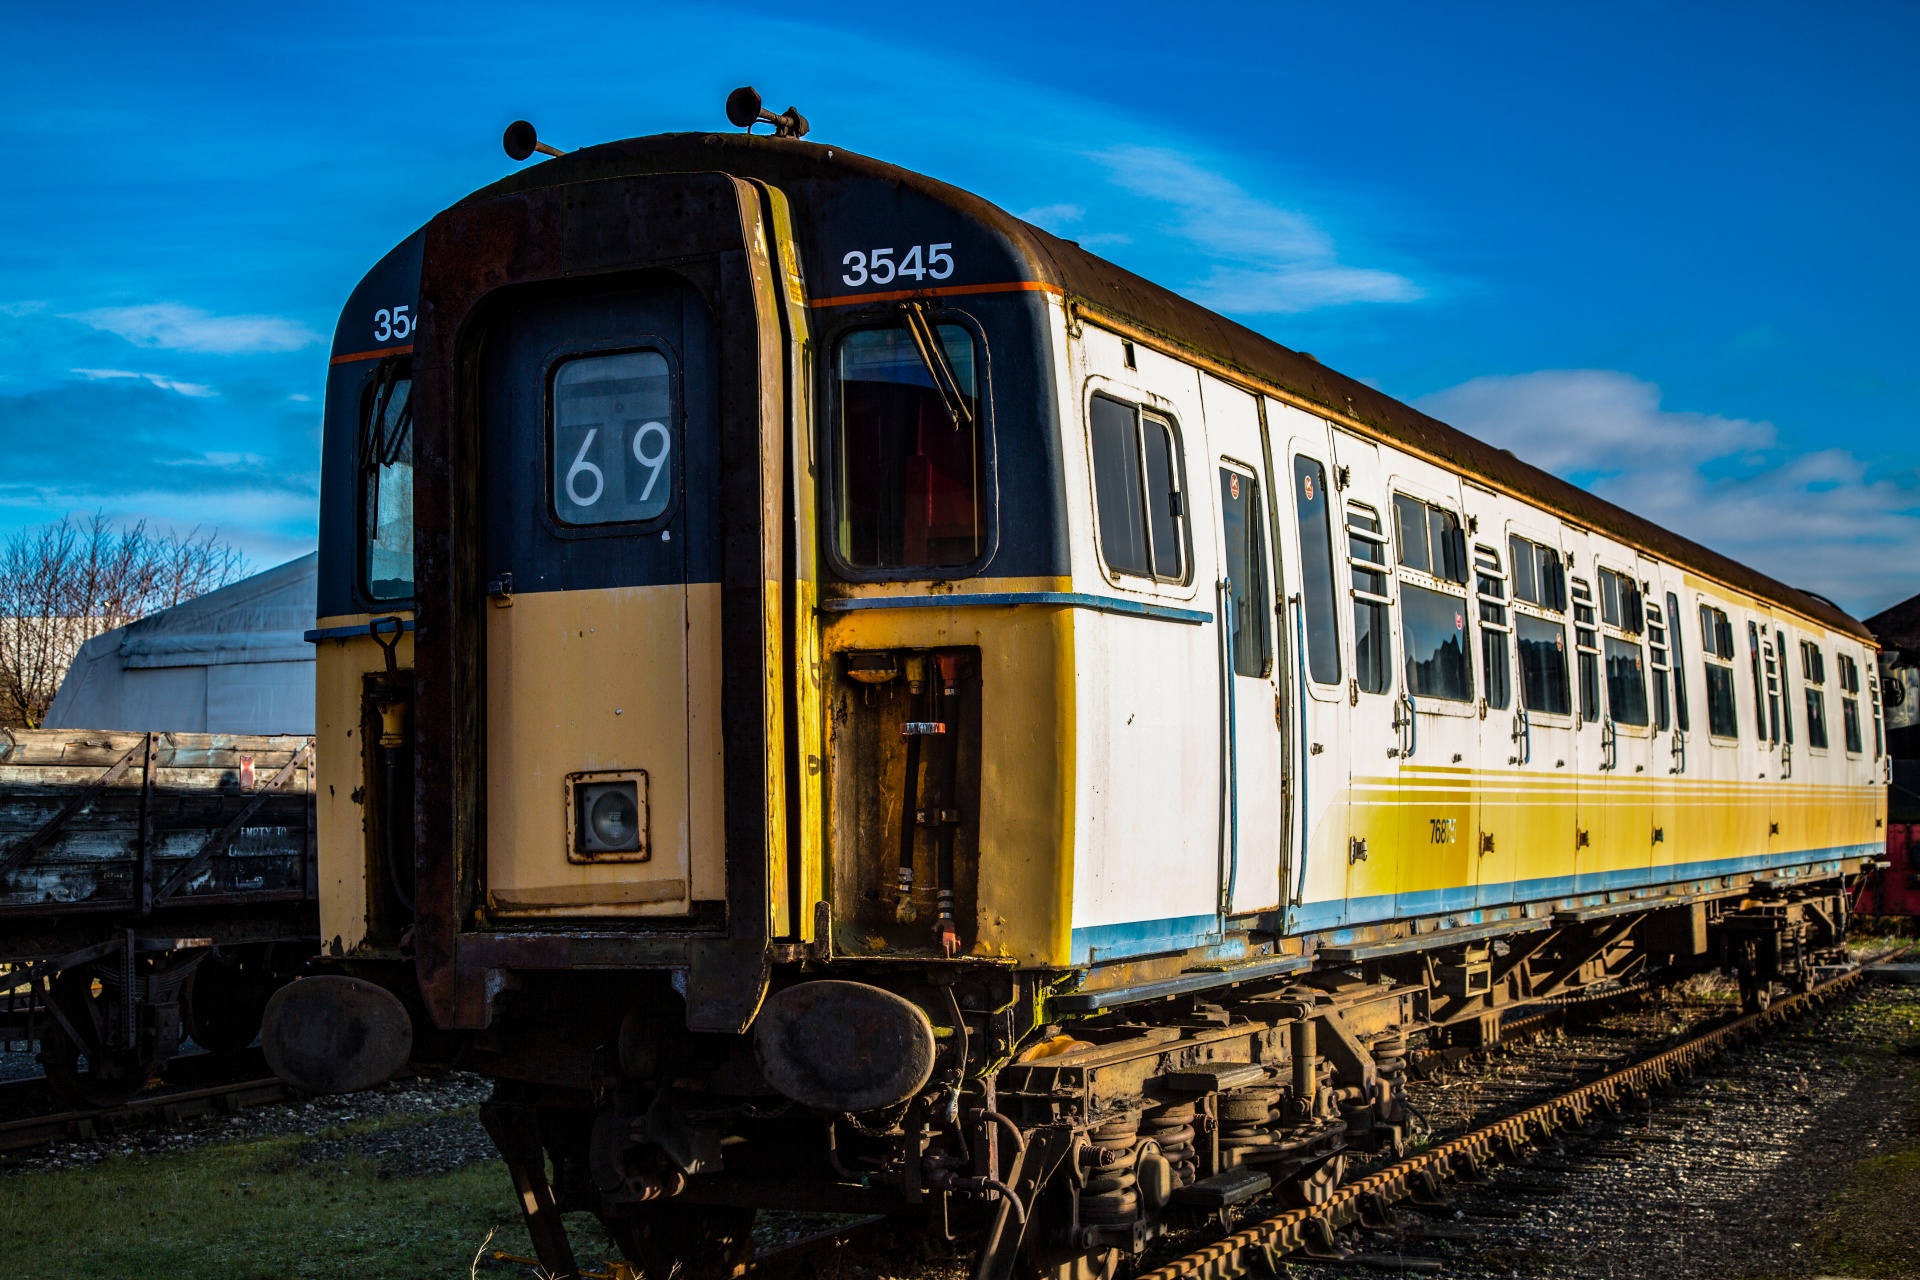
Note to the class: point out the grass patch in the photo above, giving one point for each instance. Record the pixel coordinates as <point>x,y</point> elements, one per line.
<point>1870,1230</point>
<point>251,1211</point>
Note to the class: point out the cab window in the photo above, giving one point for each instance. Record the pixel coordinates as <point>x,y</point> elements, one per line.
<point>386,482</point>
<point>909,486</point>
<point>613,439</point>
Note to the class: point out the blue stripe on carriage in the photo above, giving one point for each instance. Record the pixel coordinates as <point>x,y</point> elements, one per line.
<point>1072,599</point>
<point>1475,904</point>
<point>1143,937</point>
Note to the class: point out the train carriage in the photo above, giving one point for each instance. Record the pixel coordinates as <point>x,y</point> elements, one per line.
<point>839,699</point>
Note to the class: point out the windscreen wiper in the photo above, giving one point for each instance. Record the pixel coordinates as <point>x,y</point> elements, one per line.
<point>934,355</point>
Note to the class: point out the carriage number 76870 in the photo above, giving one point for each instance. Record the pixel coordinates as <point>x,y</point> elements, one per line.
<point>876,266</point>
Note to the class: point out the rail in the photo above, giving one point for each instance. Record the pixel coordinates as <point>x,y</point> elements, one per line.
<point>1417,1177</point>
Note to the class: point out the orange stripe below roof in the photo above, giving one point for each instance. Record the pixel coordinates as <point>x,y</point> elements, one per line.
<point>949,291</point>
<point>352,356</point>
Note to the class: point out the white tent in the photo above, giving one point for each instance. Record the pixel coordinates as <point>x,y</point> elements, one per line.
<point>232,661</point>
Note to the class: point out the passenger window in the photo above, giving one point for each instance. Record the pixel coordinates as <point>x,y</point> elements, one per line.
<point>1542,644</point>
<point>1433,631</point>
<point>1626,682</point>
<point>613,439</point>
<point>1490,585</point>
<point>1679,665</point>
<point>1813,672</point>
<point>1850,703</point>
<point>1538,575</point>
<point>1430,539</point>
<point>1372,605</point>
<point>1586,645</point>
<point>1316,569</point>
<point>910,451</point>
<point>1246,572</point>
<point>1661,663</point>
<point>386,481</point>
<point>1136,489</point>
<point>1716,644</point>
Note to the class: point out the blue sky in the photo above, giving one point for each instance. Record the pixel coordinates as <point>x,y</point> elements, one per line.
<point>1665,250</point>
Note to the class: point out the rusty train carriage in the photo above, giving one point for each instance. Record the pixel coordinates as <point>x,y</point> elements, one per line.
<point>152,886</point>
<point>839,699</point>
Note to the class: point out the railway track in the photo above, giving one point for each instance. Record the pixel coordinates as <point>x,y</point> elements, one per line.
<point>198,1086</point>
<point>1369,1200</point>
<point>1538,1116</point>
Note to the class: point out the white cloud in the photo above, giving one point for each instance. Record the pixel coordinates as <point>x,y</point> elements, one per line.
<point>1820,520</point>
<point>195,389</point>
<point>1268,260</point>
<point>1053,215</point>
<point>172,327</point>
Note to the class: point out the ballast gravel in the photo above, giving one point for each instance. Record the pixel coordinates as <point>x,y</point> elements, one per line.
<point>1729,1175</point>
<point>426,1100</point>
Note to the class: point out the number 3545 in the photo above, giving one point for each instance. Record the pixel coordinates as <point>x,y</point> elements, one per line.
<point>876,266</point>
<point>391,324</point>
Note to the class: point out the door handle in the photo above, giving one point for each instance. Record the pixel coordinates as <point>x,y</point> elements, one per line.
<point>1609,745</point>
<point>1403,721</point>
<point>1522,734</point>
<point>1679,752</point>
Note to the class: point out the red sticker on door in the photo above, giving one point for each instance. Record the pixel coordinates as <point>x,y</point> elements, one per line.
<point>1306,485</point>
<point>1459,622</point>
<point>1233,486</point>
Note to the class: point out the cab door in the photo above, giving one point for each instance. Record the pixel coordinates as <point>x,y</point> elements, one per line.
<point>603,793</point>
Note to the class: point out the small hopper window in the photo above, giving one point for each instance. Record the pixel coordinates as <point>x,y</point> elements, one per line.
<point>909,488</point>
<point>386,481</point>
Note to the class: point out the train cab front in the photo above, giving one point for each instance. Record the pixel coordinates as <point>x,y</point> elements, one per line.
<point>575,769</point>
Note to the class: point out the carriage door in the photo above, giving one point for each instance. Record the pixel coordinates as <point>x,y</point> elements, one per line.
<point>1624,834</point>
<point>602,622</point>
<point>1363,537</point>
<point>1245,596</point>
<point>1439,711</point>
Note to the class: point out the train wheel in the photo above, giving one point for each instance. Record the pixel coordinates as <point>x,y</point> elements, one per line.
<point>227,996</point>
<point>106,1082</point>
<point>1316,1185</point>
<point>1756,996</point>
<point>686,1242</point>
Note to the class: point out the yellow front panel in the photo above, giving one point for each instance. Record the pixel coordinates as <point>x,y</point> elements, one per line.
<point>340,671</point>
<point>623,678</point>
<point>1026,756</point>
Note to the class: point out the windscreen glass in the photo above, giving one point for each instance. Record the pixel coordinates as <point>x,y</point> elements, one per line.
<point>910,455</point>
<point>613,439</point>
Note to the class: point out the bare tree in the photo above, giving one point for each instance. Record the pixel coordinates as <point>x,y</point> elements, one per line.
<point>64,583</point>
